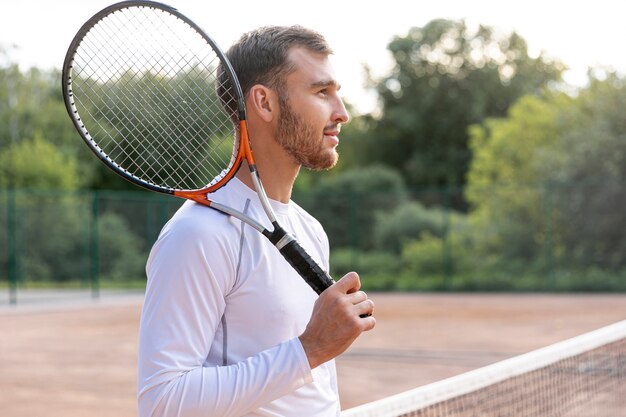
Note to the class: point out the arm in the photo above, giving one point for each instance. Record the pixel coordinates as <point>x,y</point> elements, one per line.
<point>185,300</point>
<point>229,390</point>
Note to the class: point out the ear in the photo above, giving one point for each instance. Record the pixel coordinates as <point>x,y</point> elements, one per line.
<point>263,102</point>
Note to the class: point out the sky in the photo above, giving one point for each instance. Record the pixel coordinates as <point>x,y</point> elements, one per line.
<point>579,33</point>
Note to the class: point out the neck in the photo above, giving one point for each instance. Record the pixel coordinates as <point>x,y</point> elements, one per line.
<point>277,181</point>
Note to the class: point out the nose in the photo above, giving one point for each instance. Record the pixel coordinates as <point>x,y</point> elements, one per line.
<point>340,114</point>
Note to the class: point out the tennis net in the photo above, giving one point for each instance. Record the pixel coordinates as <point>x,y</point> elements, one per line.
<point>580,377</point>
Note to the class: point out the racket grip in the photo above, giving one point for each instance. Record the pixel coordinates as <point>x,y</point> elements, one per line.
<point>302,262</point>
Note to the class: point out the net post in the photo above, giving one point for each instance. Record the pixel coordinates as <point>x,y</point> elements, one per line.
<point>12,244</point>
<point>354,202</point>
<point>447,256</point>
<point>94,247</point>
<point>548,243</point>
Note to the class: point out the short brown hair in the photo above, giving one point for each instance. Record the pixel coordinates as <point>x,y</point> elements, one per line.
<point>261,57</point>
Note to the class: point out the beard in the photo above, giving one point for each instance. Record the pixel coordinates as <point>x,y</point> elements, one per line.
<point>301,141</point>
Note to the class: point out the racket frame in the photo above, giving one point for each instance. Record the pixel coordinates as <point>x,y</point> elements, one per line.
<point>312,273</point>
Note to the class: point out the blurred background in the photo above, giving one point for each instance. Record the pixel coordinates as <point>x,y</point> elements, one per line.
<point>487,150</point>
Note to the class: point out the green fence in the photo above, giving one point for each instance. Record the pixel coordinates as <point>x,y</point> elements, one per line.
<point>547,237</point>
<point>78,240</point>
<point>537,237</point>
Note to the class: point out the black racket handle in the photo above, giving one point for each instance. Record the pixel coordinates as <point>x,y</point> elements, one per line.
<point>302,262</point>
<point>313,274</point>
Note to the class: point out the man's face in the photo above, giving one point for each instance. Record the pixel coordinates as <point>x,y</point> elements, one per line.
<point>311,111</point>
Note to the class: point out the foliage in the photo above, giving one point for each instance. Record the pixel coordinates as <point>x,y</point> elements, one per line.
<point>545,188</point>
<point>46,230</point>
<point>546,181</point>
<point>502,187</point>
<point>54,237</point>
<point>408,221</point>
<point>376,269</point>
<point>120,250</point>
<point>592,154</point>
<point>31,105</point>
<point>347,203</point>
<point>424,256</point>
<point>37,163</point>
<point>447,77</point>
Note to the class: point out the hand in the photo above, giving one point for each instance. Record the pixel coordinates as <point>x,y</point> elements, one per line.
<point>340,315</point>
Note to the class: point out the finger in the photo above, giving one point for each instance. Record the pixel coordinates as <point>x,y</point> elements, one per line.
<point>365,308</point>
<point>366,318</point>
<point>368,322</point>
<point>357,297</point>
<point>349,283</point>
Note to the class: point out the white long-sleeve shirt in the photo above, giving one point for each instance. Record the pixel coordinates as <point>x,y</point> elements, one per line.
<point>222,315</point>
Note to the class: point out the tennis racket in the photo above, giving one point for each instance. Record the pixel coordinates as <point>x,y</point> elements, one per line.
<point>142,87</point>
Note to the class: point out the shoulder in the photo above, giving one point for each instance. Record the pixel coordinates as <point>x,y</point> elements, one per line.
<point>196,233</point>
<point>197,248</point>
<point>305,217</point>
<point>310,232</point>
<point>198,222</point>
<point>194,221</point>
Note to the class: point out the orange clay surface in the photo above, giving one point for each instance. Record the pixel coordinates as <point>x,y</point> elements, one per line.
<point>79,359</point>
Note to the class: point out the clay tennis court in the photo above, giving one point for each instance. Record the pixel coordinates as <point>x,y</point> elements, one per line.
<point>79,360</point>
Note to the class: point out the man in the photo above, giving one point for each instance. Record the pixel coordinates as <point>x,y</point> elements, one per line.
<point>228,328</point>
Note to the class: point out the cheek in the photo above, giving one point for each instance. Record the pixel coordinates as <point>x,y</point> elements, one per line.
<point>314,113</point>
<point>304,123</point>
<point>317,125</point>
<point>311,128</point>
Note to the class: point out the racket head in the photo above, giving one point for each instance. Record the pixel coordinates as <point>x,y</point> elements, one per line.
<point>140,84</point>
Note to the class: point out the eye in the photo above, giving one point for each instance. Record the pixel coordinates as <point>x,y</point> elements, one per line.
<point>323,92</point>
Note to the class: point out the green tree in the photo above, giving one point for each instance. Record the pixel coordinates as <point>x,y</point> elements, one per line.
<point>505,180</point>
<point>547,183</point>
<point>408,221</point>
<point>37,164</point>
<point>31,104</point>
<point>587,172</point>
<point>120,249</point>
<point>447,77</point>
<point>48,222</point>
<point>346,204</point>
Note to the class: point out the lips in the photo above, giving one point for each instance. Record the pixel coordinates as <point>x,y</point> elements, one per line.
<point>333,131</point>
<point>332,137</point>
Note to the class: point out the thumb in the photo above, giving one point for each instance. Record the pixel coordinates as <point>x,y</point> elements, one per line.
<point>349,283</point>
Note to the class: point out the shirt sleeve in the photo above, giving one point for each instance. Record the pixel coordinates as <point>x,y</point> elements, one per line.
<point>189,274</point>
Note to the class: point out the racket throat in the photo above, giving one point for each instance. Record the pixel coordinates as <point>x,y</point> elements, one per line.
<point>279,237</point>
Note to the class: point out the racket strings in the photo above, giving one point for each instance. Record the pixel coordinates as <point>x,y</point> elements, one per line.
<point>144,84</point>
